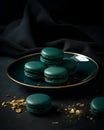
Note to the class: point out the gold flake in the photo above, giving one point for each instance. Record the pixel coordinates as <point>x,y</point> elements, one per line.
<point>15,104</point>
<point>55,122</point>
<point>77,104</point>
<point>13,101</point>
<point>72,111</point>
<point>65,109</point>
<point>13,107</point>
<point>81,105</point>
<point>3,103</point>
<point>77,112</point>
<point>18,110</point>
<point>23,104</point>
<point>91,118</point>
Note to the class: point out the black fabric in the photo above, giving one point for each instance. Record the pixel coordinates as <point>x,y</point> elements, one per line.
<point>11,10</point>
<point>43,25</point>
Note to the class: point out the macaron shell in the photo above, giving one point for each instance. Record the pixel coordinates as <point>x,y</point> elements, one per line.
<point>55,71</point>
<point>56,75</point>
<point>34,66</point>
<point>37,110</point>
<point>38,100</point>
<point>51,53</point>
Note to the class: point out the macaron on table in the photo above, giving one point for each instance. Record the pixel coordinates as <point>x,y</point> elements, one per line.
<point>38,103</point>
<point>97,107</point>
<point>52,68</point>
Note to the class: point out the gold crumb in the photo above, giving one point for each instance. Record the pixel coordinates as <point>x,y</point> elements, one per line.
<point>13,107</point>
<point>91,118</point>
<point>21,100</point>
<point>15,104</point>
<point>77,104</point>
<point>65,109</point>
<point>13,101</point>
<point>81,105</point>
<point>72,111</point>
<point>18,110</point>
<point>4,104</point>
<point>55,122</point>
<point>78,112</point>
<point>23,104</point>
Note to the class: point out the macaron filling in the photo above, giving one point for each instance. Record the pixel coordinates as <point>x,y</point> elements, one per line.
<point>51,62</point>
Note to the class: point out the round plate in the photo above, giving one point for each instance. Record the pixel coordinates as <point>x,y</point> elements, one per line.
<point>86,70</point>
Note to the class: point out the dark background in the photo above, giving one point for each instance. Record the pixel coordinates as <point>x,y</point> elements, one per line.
<point>27,27</point>
<point>11,10</point>
<point>80,13</point>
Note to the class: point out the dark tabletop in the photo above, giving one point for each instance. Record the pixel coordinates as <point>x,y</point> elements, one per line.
<point>70,106</point>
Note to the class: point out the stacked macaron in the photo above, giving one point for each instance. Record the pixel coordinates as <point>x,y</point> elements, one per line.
<point>34,70</point>
<point>51,56</point>
<point>53,67</point>
<point>97,106</point>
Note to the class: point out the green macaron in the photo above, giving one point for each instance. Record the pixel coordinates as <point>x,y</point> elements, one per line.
<point>70,64</point>
<point>38,103</point>
<point>51,56</point>
<point>34,69</point>
<point>56,75</point>
<point>97,106</point>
